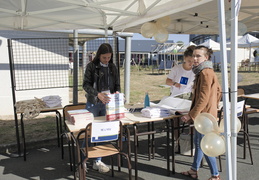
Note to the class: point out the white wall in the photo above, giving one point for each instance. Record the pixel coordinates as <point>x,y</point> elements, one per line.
<point>6,98</point>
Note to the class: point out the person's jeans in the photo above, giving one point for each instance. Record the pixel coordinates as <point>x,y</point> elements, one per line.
<point>98,109</point>
<point>199,155</point>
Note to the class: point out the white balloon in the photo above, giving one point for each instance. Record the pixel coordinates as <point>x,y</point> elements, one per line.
<point>148,29</point>
<point>205,123</point>
<point>238,125</point>
<point>213,144</point>
<point>161,36</point>
<point>163,22</point>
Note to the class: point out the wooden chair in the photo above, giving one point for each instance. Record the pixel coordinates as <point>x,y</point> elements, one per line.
<point>101,150</point>
<point>67,133</point>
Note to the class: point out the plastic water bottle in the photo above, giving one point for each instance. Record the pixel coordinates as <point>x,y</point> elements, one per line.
<point>146,101</point>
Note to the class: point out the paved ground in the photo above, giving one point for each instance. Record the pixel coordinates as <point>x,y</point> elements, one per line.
<point>45,163</point>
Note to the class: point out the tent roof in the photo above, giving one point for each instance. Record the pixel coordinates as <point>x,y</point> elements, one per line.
<point>203,18</point>
<point>187,16</point>
<point>211,44</point>
<point>185,47</point>
<point>246,40</point>
<point>83,14</point>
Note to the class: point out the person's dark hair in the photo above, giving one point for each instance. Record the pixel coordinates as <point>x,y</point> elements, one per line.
<point>103,49</point>
<point>189,51</point>
<point>208,51</point>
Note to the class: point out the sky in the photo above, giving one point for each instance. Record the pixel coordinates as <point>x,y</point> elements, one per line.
<point>175,37</point>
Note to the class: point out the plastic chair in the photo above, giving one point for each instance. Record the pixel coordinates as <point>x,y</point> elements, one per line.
<point>107,146</point>
<point>66,133</point>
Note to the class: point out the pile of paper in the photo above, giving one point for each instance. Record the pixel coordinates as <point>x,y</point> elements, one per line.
<point>154,112</point>
<point>52,101</point>
<point>115,108</point>
<point>80,116</point>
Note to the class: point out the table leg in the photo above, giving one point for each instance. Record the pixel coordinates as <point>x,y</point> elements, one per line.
<point>168,147</point>
<point>136,151</point>
<point>153,142</point>
<point>58,127</point>
<point>173,154</point>
<point>73,141</point>
<point>23,138</point>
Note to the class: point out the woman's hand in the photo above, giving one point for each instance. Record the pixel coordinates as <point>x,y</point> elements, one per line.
<point>185,118</point>
<point>103,97</point>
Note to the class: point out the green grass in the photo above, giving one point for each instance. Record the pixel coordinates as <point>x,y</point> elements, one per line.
<point>141,80</point>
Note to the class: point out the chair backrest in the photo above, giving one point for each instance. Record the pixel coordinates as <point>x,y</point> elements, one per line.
<point>104,132</point>
<point>72,107</point>
<point>240,92</point>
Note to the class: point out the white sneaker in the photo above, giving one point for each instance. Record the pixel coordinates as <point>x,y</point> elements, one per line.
<point>101,167</point>
<point>85,167</point>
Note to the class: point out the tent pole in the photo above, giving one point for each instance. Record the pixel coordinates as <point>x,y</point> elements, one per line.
<point>19,153</point>
<point>75,68</point>
<point>225,91</point>
<point>127,69</point>
<point>233,72</point>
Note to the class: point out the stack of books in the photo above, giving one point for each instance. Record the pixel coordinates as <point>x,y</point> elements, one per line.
<point>115,108</point>
<point>80,116</point>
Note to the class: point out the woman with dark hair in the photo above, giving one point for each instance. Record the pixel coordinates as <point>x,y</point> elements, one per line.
<point>206,96</point>
<point>101,78</point>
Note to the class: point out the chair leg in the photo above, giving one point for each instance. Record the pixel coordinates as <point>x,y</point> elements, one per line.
<point>70,155</point>
<point>69,149</point>
<point>249,146</point>
<point>129,164</point>
<point>246,138</point>
<point>112,166</point>
<point>62,145</point>
<point>220,165</point>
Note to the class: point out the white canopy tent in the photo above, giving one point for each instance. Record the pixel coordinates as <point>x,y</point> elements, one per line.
<point>247,41</point>
<point>82,14</point>
<point>201,19</point>
<point>211,44</point>
<point>255,43</point>
<point>186,46</point>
